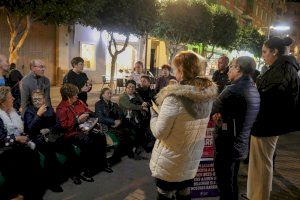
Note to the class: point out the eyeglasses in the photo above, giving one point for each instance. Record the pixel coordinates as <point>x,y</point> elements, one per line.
<point>41,67</point>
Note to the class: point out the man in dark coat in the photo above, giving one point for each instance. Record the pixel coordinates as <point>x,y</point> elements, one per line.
<point>220,76</point>
<point>234,111</point>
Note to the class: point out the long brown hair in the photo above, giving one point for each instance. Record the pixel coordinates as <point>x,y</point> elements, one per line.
<point>193,69</point>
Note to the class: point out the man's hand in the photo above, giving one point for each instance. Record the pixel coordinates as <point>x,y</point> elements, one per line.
<point>42,110</point>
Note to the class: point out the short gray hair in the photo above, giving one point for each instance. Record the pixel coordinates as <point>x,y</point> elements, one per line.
<point>247,64</point>
<point>34,61</point>
<point>4,90</point>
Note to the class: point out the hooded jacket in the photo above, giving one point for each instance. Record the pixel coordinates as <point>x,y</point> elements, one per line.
<point>279,92</point>
<point>180,129</point>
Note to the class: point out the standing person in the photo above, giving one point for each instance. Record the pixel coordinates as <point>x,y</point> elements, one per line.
<point>279,90</point>
<point>220,76</point>
<point>35,80</point>
<point>77,77</point>
<point>164,79</point>
<point>14,79</point>
<point>4,68</point>
<point>234,111</point>
<point>137,73</point>
<point>180,127</point>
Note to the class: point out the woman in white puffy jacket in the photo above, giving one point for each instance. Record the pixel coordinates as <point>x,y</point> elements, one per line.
<point>180,127</point>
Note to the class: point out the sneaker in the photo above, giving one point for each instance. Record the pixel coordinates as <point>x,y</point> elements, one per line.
<point>86,176</point>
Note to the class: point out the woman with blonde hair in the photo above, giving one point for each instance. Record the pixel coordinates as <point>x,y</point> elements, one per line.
<point>180,127</point>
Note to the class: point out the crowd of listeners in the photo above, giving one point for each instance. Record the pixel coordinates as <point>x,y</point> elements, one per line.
<point>47,146</point>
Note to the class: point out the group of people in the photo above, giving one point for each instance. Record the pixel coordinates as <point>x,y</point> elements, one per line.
<point>34,136</point>
<point>241,109</point>
<point>239,106</point>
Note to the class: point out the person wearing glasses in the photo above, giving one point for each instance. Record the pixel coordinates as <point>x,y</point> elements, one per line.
<point>35,80</point>
<point>234,112</point>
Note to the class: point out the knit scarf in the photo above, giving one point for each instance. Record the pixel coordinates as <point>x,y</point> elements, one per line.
<point>12,122</point>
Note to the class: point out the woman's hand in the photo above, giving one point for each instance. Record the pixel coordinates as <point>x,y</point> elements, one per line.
<point>83,117</point>
<point>217,118</point>
<point>42,110</point>
<point>22,139</point>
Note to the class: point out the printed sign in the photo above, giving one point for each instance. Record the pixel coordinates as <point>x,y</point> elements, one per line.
<point>205,184</point>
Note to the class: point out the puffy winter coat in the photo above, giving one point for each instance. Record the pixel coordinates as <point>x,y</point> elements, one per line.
<point>180,129</point>
<point>279,91</point>
<point>239,105</point>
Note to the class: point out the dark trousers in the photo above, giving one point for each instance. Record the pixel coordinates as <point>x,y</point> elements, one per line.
<point>21,169</point>
<point>53,170</point>
<point>93,150</point>
<point>173,190</point>
<point>227,171</point>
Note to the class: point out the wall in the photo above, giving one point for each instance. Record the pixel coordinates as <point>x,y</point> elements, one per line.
<point>91,36</point>
<point>40,43</point>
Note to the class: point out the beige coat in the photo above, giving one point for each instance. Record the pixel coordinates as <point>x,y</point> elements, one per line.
<point>179,130</point>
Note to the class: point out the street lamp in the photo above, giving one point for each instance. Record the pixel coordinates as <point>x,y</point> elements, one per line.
<point>278,28</point>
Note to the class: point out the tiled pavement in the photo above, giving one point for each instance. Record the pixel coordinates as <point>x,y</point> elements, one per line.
<point>131,179</point>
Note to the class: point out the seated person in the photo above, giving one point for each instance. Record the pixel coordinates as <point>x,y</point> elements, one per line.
<point>163,80</point>
<point>19,162</point>
<point>40,122</point>
<point>148,95</point>
<point>136,115</point>
<point>145,91</point>
<point>110,115</point>
<point>72,112</point>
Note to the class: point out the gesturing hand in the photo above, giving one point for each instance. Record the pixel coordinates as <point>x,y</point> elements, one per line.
<point>42,110</point>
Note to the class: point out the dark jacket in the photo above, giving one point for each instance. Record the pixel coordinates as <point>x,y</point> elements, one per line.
<point>33,123</point>
<point>221,79</point>
<point>68,114</point>
<point>162,82</point>
<point>14,79</point>
<point>107,113</point>
<point>147,94</point>
<point>239,105</point>
<point>78,80</point>
<point>279,91</point>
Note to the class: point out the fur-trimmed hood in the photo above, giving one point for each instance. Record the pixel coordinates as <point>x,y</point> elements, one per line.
<point>191,97</point>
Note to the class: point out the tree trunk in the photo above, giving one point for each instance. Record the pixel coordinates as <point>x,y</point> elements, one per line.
<point>212,53</point>
<point>112,70</point>
<point>114,55</point>
<point>19,30</point>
